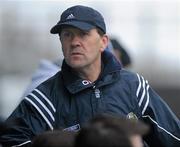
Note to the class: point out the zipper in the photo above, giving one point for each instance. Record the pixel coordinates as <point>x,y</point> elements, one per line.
<point>96,92</point>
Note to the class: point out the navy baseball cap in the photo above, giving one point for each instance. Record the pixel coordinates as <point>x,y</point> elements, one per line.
<point>82,17</point>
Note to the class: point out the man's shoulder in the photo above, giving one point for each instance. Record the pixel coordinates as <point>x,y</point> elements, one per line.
<point>128,75</point>
<point>51,84</point>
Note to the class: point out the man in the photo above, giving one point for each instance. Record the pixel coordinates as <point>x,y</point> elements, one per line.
<point>90,82</point>
<point>111,131</point>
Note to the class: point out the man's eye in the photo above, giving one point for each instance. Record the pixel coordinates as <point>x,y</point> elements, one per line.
<point>66,34</point>
<point>83,33</point>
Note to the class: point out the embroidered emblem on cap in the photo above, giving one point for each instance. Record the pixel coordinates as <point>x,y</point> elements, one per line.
<point>71,16</point>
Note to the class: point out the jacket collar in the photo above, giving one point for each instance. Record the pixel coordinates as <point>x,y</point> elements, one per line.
<point>75,84</point>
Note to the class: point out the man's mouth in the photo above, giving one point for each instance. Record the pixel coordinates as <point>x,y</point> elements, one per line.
<point>76,53</point>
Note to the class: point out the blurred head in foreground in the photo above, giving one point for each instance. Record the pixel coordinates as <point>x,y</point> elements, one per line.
<point>54,139</point>
<point>111,131</point>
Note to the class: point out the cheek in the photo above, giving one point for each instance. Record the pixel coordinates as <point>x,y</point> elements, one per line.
<point>65,52</point>
<point>95,46</point>
<point>101,45</point>
<point>64,49</point>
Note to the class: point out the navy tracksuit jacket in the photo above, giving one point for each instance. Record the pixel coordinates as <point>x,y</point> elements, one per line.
<point>67,101</point>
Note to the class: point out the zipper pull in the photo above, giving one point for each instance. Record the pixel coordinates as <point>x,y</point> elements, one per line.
<point>97,93</point>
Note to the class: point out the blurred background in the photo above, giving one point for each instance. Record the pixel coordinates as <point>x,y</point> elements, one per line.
<point>148,29</point>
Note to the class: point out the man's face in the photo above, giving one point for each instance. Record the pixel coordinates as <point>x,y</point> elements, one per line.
<point>82,49</point>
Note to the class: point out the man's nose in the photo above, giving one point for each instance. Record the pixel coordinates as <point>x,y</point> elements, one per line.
<point>76,40</point>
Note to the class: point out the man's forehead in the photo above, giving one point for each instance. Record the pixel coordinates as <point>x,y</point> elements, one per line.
<point>72,28</point>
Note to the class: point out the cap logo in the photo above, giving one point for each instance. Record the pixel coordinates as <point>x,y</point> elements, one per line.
<point>71,16</point>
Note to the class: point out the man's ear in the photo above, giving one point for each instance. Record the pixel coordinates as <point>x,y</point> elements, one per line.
<point>105,40</point>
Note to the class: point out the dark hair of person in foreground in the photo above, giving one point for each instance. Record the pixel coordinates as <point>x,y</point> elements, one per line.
<point>110,131</point>
<point>55,138</point>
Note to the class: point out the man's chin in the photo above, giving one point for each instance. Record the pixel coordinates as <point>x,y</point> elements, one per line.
<point>75,65</point>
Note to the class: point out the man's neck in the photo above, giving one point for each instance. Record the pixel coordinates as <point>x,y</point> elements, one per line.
<point>90,73</point>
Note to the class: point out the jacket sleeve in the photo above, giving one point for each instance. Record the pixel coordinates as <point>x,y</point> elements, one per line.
<point>165,126</point>
<point>33,116</point>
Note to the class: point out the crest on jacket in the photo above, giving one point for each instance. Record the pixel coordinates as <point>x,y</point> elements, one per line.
<point>132,116</point>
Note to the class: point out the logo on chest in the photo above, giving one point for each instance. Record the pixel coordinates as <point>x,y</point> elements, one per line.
<point>132,116</point>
